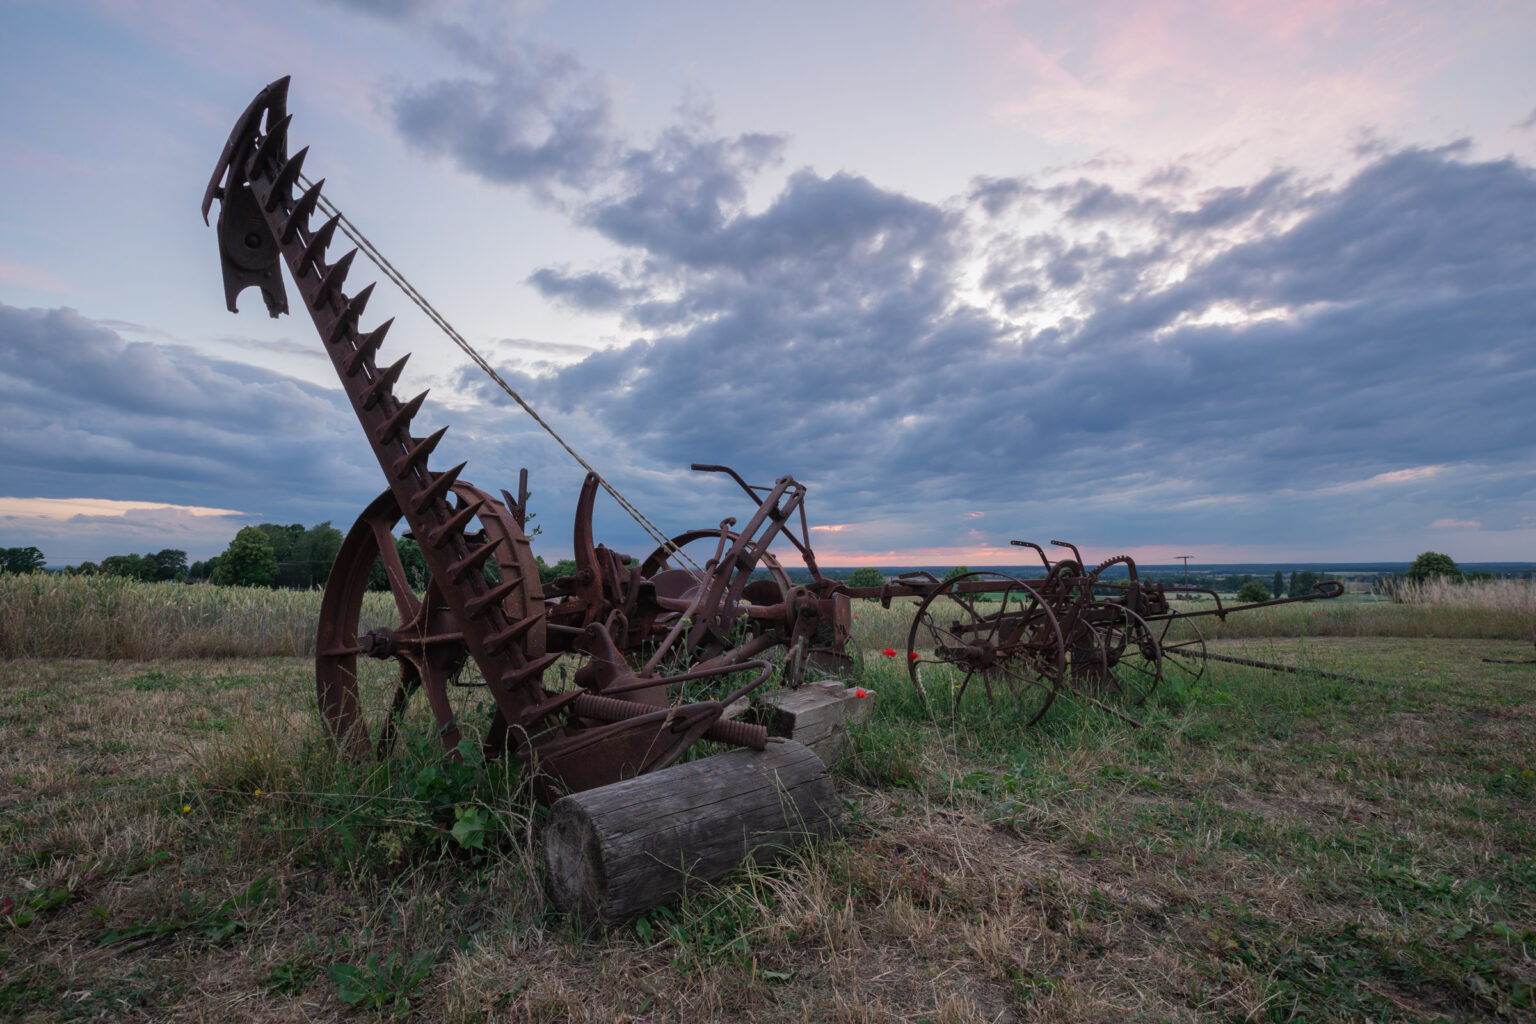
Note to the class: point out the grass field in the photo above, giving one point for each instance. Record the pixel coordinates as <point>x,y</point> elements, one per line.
<point>177,843</point>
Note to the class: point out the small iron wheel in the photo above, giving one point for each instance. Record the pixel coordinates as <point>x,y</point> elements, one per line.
<point>678,573</point>
<point>1183,646</point>
<point>992,626</point>
<point>366,705</point>
<point>1132,664</point>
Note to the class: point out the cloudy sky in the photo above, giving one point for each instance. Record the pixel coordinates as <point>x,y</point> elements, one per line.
<point>1247,281</point>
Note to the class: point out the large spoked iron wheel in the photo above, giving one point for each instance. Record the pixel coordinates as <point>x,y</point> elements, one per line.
<point>990,627</point>
<point>369,667</point>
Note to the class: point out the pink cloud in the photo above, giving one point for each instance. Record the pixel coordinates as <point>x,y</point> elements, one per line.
<point>35,278</point>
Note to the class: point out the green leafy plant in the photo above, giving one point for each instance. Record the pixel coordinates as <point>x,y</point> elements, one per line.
<point>382,984</point>
<point>213,922</point>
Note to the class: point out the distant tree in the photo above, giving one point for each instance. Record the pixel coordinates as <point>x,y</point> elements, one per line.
<point>866,576</point>
<point>282,538</point>
<point>959,570</point>
<point>411,560</point>
<point>1433,563</point>
<point>203,570</point>
<point>87,569</point>
<point>561,569</point>
<point>1278,587</point>
<point>133,567</point>
<point>1253,590</point>
<point>313,552</point>
<point>1479,576</point>
<point>1302,582</point>
<point>21,560</point>
<point>170,564</point>
<point>248,561</point>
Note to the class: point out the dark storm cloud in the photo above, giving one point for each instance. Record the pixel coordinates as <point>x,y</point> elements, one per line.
<point>675,199</point>
<point>87,413</point>
<point>1416,226</point>
<point>1177,360</point>
<point>387,10</point>
<point>1172,175</point>
<point>530,117</point>
<point>590,291</point>
<point>825,336</point>
<point>813,294</point>
<point>1225,207</point>
<point>997,195</point>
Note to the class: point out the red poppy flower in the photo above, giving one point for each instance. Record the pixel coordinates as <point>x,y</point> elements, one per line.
<point>889,652</point>
<point>911,655</point>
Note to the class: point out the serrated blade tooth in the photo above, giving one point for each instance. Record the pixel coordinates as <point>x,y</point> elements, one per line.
<point>516,631</point>
<point>417,455</point>
<point>287,177</point>
<point>367,345</point>
<point>317,244</point>
<point>455,523</point>
<point>383,382</point>
<point>477,606</point>
<point>299,216</point>
<point>400,419</point>
<point>438,488</point>
<point>474,560</point>
<point>334,278</point>
<point>271,147</point>
<point>347,322</point>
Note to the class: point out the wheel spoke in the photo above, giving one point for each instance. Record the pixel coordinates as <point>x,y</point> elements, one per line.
<point>406,601</point>
<point>425,648</point>
<point>960,689</point>
<point>1187,654</point>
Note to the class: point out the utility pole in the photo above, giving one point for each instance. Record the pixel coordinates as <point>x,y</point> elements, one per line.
<point>1185,559</point>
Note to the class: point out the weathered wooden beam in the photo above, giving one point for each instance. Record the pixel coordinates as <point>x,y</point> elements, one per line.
<point>615,852</point>
<point>817,714</point>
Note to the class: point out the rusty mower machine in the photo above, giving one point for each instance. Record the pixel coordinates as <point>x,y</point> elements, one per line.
<point>614,626</point>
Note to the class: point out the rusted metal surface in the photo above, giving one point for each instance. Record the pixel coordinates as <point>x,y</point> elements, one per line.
<point>613,628</point>
<point>583,673</point>
<point>1105,643</point>
<point>483,611</point>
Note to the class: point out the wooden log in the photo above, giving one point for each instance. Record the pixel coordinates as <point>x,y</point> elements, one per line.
<point>817,714</point>
<point>615,852</point>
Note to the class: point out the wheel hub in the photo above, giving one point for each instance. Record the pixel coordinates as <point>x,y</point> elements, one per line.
<point>378,643</point>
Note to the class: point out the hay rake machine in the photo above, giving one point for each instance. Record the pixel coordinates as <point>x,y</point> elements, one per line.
<point>1072,632</point>
<point>620,624</point>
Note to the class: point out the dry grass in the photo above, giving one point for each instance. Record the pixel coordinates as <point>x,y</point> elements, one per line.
<point>1491,610</point>
<point>177,842</point>
<point>53,616</point>
<point>1487,596</point>
<point>48,615</point>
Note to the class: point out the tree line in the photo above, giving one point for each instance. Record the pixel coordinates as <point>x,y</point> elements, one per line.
<point>267,555</point>
<point>21,560</point>
<point>270,555</point>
